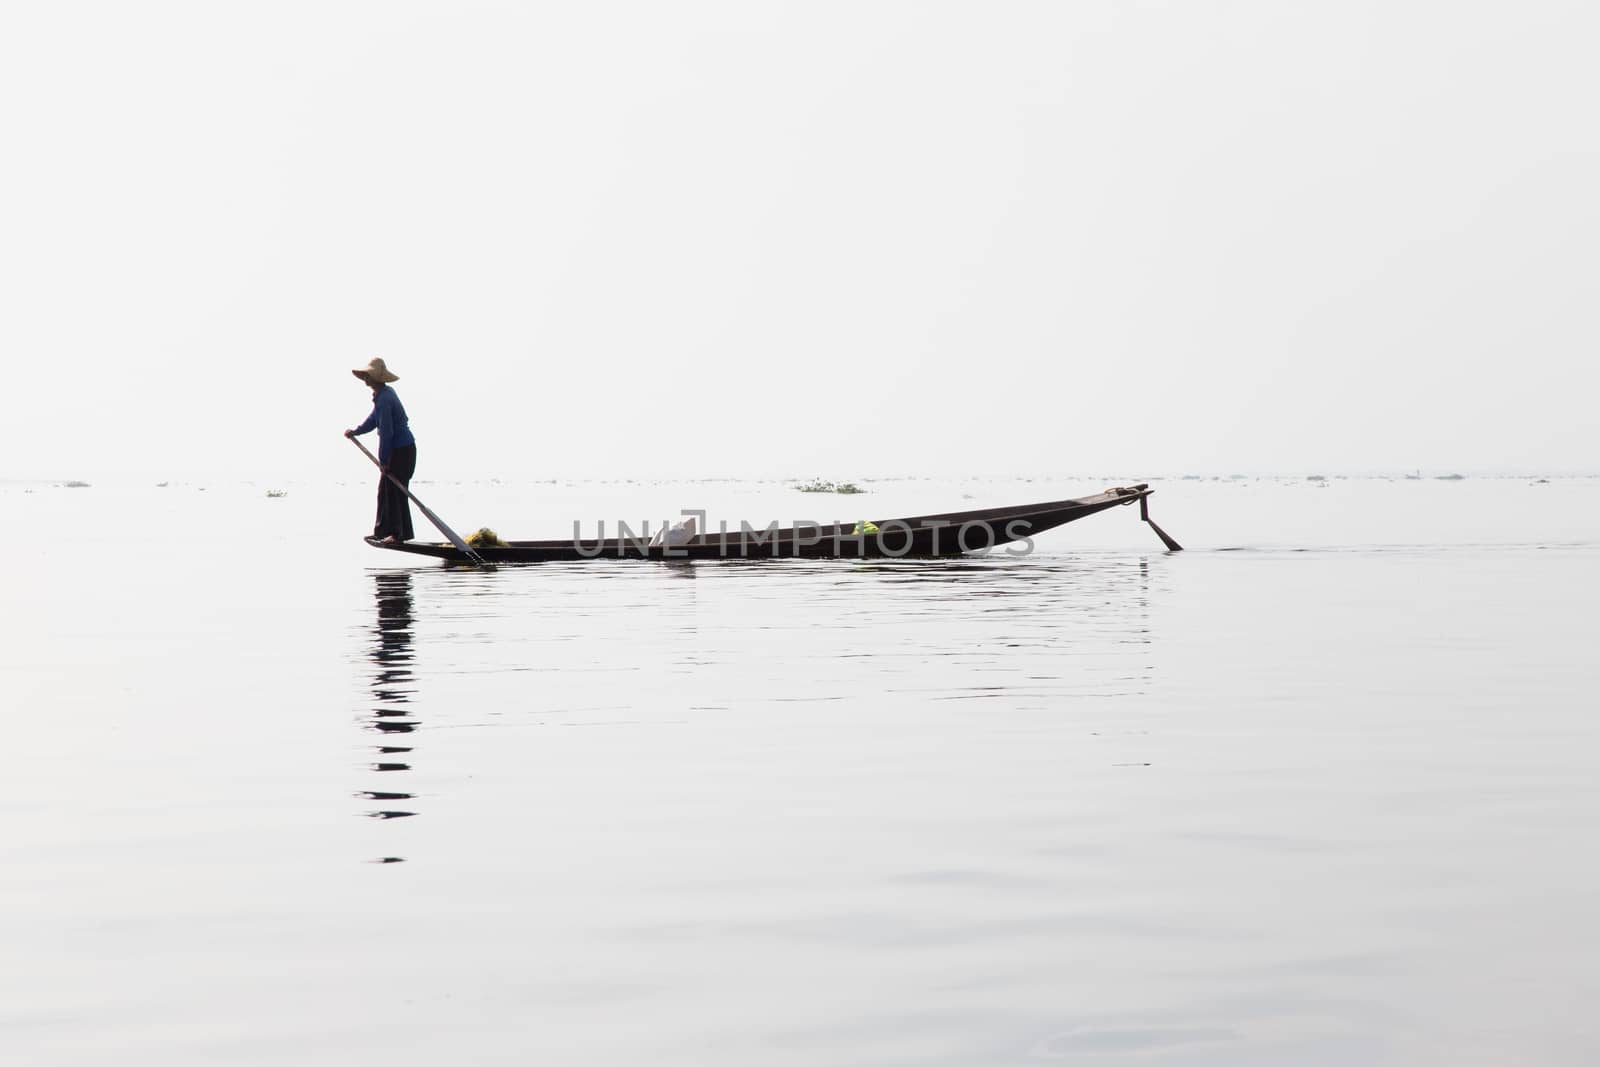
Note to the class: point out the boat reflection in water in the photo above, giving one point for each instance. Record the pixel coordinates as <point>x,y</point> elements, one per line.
<point>393,684</point>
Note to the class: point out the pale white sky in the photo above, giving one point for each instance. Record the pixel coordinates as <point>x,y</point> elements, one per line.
<point>847,239</point>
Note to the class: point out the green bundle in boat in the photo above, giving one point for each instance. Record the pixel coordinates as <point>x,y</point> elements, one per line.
<point>486,538</point>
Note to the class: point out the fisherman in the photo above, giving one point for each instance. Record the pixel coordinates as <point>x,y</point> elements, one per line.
<point>397,453</point>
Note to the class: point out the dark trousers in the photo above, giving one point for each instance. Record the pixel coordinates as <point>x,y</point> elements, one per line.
<point>394,507</point>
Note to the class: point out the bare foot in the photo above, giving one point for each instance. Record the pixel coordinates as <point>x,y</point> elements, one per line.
<point>390,540</point>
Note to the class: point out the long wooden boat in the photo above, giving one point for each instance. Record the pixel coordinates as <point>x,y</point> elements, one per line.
<point>952,533</point>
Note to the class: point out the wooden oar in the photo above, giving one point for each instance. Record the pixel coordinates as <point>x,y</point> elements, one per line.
<point>453,537</point>
<point>1144,513</point>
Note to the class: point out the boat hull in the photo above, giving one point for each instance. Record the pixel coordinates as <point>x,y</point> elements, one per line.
<point>923,536</point>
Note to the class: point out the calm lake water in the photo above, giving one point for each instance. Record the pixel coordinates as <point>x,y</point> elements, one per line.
<point>1320,790</point>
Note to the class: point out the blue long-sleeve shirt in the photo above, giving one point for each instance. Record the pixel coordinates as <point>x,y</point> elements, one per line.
<point>389,418</point>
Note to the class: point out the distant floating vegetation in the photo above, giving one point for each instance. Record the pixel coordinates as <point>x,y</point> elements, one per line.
<point>1452,477</point>
<point>1316,478</point>
<point>74,485</point>
<point>817,485</point>
<point>161,485</point>
<point>276,493</point>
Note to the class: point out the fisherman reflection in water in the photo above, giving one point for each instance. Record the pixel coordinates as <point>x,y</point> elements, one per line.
<point>397,453</point>
<point>392,684</point>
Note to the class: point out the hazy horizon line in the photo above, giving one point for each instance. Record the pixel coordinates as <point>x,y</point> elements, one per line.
<point>615,479</point>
